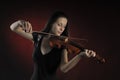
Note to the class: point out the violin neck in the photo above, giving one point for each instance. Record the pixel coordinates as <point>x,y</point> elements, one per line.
<point>76,45</point>
<point>99,59</point>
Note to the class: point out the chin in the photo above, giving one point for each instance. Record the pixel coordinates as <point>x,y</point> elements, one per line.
<point>58,34</point>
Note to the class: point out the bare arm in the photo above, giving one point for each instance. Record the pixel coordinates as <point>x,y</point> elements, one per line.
<point>23,28</point>
<point>67,65</point>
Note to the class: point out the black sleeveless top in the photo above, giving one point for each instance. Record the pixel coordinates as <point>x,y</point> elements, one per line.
<point>45,66</point>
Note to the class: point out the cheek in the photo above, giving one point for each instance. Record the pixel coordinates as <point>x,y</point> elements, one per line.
<point>54,29</point>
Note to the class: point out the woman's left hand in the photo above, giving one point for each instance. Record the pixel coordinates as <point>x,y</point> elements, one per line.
<point>88,53</point>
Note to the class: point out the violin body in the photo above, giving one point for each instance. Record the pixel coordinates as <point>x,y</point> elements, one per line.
<point>57,42</point>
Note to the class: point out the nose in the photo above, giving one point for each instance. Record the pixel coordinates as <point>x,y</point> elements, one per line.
<point>62,28</point>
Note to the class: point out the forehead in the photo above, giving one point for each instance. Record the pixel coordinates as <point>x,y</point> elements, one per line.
<point>61,20</point>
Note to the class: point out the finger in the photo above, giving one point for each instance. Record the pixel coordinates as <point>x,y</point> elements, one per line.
<point>27,27</point>
<point>30,27</point>
<point>90,52</point>
<point>87,52</point>
<point>93,54</point>
<point>22,24</point>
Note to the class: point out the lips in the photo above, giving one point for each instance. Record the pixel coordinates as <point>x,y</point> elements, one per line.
<point>59,32</point>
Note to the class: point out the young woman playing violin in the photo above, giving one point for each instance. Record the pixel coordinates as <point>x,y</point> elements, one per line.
<point>48,58</point>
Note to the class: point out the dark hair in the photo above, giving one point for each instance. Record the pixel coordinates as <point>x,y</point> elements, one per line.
<point>52,19</point>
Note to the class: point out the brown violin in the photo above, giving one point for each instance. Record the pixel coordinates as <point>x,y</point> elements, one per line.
<point>71,46</point>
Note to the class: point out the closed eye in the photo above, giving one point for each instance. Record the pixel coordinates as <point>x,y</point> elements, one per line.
<point>59,24</point>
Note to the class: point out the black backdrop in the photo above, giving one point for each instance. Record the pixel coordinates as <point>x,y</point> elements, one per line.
<point>96,21</point>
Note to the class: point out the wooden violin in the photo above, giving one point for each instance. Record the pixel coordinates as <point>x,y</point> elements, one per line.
<point>71,46</point>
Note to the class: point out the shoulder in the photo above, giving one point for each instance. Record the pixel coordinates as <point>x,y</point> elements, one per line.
<point>36,36</point>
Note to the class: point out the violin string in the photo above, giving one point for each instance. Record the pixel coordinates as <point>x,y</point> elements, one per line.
<point>72,38</point>
<point>80,41</point>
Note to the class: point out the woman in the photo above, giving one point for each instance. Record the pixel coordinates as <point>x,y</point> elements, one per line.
<point>46,58</point>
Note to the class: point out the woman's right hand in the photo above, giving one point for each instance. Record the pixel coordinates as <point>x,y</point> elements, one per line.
<point>26,26</point>
<point>23,28</point>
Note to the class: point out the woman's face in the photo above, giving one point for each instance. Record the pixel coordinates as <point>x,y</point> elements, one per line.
<point>59,26</point>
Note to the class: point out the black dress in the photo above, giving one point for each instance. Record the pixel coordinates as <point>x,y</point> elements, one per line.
<point>45,66</point>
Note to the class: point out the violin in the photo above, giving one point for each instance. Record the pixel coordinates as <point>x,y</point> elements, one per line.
<point>71,46</point>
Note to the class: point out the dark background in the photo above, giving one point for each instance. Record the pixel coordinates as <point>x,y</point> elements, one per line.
<point>96,21</point>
